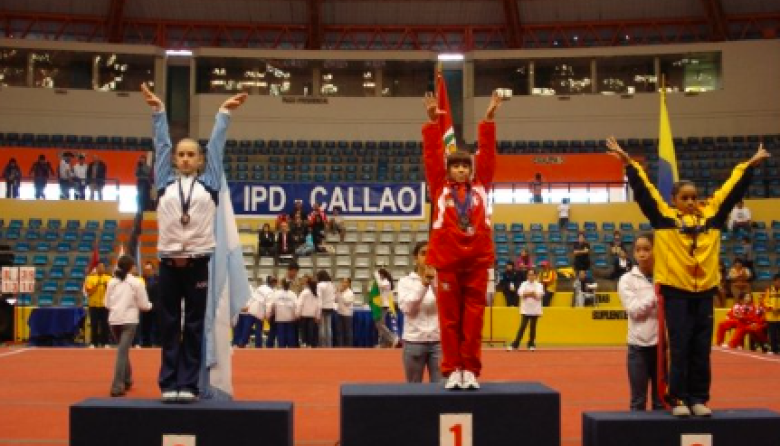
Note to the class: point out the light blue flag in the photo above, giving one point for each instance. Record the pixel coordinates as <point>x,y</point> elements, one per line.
<point>229,291</point>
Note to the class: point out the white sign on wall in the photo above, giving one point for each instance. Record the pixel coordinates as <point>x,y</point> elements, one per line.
<point>10,279</point>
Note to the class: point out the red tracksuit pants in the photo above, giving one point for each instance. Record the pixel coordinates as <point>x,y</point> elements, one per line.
<point>756,332</point>
<point>723,327</point>
<point>461,299</point>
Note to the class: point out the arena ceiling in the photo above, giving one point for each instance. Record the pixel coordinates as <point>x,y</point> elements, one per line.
<point>390,24</point>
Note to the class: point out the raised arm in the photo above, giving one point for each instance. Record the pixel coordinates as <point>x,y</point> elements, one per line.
<point>433,144</point>
<point>163,164</point>
<point>647,196</point>
<point>485,159</point>
<point>215,149</point>
<point>724,199</point>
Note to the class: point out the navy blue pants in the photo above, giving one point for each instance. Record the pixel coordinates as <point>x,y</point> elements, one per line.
<point>248,324</point>
<point>182,349</point>
<point>689,327</point>
<point>286,335</point>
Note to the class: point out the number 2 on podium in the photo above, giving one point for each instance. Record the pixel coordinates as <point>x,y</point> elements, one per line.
<point>455,430</point>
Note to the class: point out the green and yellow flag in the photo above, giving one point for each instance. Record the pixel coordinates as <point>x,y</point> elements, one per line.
<point>375,301</point>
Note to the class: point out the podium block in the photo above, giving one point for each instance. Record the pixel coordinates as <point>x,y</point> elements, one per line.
<point>133,422</point>
<point>756,427</point>
<point>498,414</point>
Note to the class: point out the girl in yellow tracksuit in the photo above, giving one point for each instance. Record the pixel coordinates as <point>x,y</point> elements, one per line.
<point>686,251</point>
<point>771,304</point>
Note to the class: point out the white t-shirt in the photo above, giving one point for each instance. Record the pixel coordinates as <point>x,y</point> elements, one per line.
<point>344,301</point>
<point>563,210</point>
<point>531,306</point>
<point>327,294</point>
<point>740,215</point>
<point>418,303</point>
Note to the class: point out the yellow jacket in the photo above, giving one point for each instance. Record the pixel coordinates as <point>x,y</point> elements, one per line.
<point>771,303</point>
<point>687,247</point>
<point>95,287</point>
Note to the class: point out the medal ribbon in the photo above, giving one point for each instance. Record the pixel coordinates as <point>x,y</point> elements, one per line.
<point>185,204</point>
<point>463,208</point>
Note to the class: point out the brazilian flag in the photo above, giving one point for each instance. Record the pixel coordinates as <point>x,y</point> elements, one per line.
<point>374,301</point>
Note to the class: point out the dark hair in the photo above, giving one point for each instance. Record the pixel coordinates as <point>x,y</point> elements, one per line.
<point>293,266</point>
<point>418,247</point>
<point>124,265</point>
<point>532,269</point>
<point>12,160</point>
<point>271,281</point>
<point>385,274</point>
<point>680,184</point>
<point>510,263</point>
<point>776,277</point>
<point>459,157</point>
<point>739,259</point>
<point>285,284</point>
<point>312,284</point>
<point>537,176</point>
<point>649,236</point>
<point>349,281</point>
<point>323,276</point>
<point>746,239</point>
<point>266,225</point>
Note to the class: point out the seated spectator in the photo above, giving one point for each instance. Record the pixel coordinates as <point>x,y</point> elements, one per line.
<point>298,210</point>
<point>299,227</point>
<point>266,242</point>
<point>285,244</point>
<point>336,224</point>
<point>739,276</point>
<point>523,264</point>
<point>281,218</point>
<point>12,175</point>
<point>549,278</point>
<point>510,284</point>
<point>740,218</point>
<point>317,221</point>
<point>621,265</point>
<point>584,290</point>
<point>306,248</point>
<point>581,253</point>
<point>617,244</point>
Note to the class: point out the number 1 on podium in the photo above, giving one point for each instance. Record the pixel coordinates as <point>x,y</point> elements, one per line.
<point>455,429</point>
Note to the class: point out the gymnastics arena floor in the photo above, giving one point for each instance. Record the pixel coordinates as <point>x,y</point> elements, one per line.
<point>37,385</point>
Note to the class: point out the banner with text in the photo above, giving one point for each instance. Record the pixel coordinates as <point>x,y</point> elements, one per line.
<point>402,201</point>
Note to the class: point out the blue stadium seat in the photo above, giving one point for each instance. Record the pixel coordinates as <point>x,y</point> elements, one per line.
<point>68,301</point>
<point>591,237</point>
<point>601,262</point>
<point>15,224</point>
<point>537,237</point>
<point>80,262</point>
<point>40,274</point>
<point>764,275</point>
<point>43,247</point>
<point>553,227</point>
<point>20,259</point>
<point>555,237</point>
<point>13,234</point>
<point>608,226</point>
<point>32,234</point>
<point>499,227</point>
<point>50,286</point>
<point>763,261</point>
<point>72,286</point>
<point>77,273</point>
<point>108,236</point>
<point>599,249</point>
<point>84,246</point>
<point>92,225</point>
<point>88,236</point>
<point>500,238</point>
<point>73,224</point>
<point>34,223</point>
<point>22,247</point>
<point>561,262</point>
<point>573,226</point>
<point>540,249</point>
<point>536,227</point>
<point>626,227</point>
<point>61,261</point>
<point>645,227</point>
<point>518,237</point>
<point>40,260</point>
<point>51,235</point>
<point>516,227</point>
<point>46,300</point>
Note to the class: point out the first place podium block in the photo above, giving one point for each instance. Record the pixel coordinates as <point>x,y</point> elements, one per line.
<point>754,427</point>
<point>133,422</point>
<point>498,414</point>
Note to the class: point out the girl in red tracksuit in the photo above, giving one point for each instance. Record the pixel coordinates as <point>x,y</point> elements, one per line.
<point>754,325</point>
<point>733,320</point>
<point>461,243</point>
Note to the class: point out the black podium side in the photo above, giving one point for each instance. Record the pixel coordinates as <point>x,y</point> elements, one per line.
<point>409,414</point>
<point>754,427</point>
<point>133,422</point>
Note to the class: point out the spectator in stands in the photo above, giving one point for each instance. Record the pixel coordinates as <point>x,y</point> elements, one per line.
<point>689,236</point>
<point>185,246</point>
<point>531,293</point>
<point>80,178</point>
<point>740,218</point>
<point>747,254</point>
<point>306,248</point>
<point>584,290</point>
<point>461,242</point>
<point>143,182</point>
<point>563,214</point>
<point>282,311</point>
<point>299,227</point>
<point>620,265</point>
<point>617,244</point>
<point>281,218</point>
<point>95,288</point>
<point>523,264</point>
<point>308,310</point>
<point>336,224</point>
<point>298,210</point>
<point>41,171</point>
<point>385,283</point>
<point>345,298</point>
<point>285,244</point>
<point>327,294</point>
<point>739,276</point>
<point>536,188</point>
<point>266,241</point>
<point>422,337</point>
<point>12,175</point>
<point>125,297</point>
<point>150,320</point>
<point>65,175</point>
<point>96,176</point>
<point>509,284</point>
<point>549,278</point>
<point>318,221</point>
<point>637,294</point>
<point>581,254</point>
<point>771,304</point>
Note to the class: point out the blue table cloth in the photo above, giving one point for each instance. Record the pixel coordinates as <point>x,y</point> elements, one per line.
<point>55,325</point>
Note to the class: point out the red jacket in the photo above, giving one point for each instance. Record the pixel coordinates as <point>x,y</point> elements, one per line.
<point>449,246</point>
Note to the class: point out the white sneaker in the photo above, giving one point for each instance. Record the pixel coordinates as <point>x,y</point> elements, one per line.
<point>700,410</point>
<point>170,396</point>
<point>724,345</point>
<point>186,396</point>
<point>91,345</point>
<point>532,349</point>
<point>469,381</point>
<point>681,411</point>
<point>455,381</point>
<point>509,348</point>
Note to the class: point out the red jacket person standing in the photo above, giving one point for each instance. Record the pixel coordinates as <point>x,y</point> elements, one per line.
<point>461,244</point>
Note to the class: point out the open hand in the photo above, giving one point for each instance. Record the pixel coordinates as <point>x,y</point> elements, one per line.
<point>432,107</point>
<point>495,102</point>
<point>614,149</point>
<point>760,156</point>
<point>235,101</point>
<point>151,98</point>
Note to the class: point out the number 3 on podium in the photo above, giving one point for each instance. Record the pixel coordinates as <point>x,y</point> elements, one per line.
<point>455,429</point>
